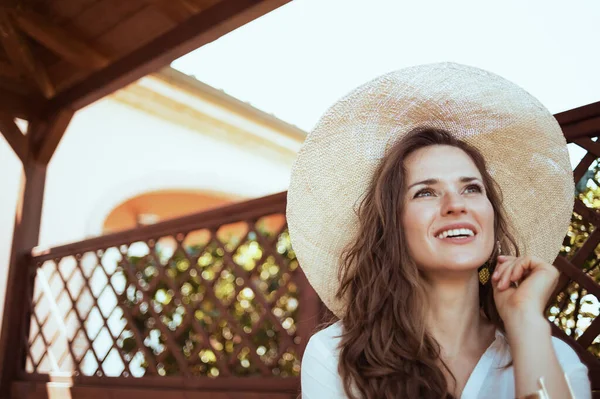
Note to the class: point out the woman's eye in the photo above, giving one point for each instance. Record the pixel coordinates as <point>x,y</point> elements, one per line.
<point>424,193</point>
<point>474,188</point>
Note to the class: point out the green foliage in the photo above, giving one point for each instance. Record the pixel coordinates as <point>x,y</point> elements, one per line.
<point>194,304</point>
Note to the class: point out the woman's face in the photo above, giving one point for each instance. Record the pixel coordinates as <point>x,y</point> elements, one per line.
<point>447,218</point>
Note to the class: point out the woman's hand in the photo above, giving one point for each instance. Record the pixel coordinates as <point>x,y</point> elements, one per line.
<point>534,280</point>
<point>528,331</point>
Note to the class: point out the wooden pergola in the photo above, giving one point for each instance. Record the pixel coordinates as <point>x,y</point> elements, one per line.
<point>59,56</point>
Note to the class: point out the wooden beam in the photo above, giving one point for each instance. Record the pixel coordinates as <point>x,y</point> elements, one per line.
<point>588,144</point>
<point>64,44</point>
<point>153,387</point>
<point>580,122</point>
<point>48,138</point>
<point>584,128</point>
<point>18,105</point>
<point>577,275</point>
<point>19,284</point>
<point>21,271</point>
<point>8,71</point>
<point>176,10</point>
<point>198,30</point>
<point>20,55</point>
<point>247,210</point>
<point>589,215</point>
<point>13,135</point>
<point>578,114</point>
<point>590,333</point>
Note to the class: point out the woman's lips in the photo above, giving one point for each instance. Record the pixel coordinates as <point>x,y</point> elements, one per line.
<point>458,240</point>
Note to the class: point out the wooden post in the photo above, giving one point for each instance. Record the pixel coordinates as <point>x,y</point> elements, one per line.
<point>43,135</point>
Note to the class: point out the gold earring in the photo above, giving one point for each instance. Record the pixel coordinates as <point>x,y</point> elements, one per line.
<point>484,272</point>
<point>484,275</point>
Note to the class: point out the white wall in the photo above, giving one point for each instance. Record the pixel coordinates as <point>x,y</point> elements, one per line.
<point>112,152</point>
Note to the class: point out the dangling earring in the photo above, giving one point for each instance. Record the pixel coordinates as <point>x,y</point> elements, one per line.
<point>484,271</point>
<point>484,274</point>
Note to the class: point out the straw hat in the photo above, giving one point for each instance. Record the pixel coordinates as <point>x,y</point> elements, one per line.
<point>522,143</point>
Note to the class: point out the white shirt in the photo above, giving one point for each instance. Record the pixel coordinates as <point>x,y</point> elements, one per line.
<point>320,378</point>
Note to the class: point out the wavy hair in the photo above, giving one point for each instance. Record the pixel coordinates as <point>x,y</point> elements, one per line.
<point>385,348</point>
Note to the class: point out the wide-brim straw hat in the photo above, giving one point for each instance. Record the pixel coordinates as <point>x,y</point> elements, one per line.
<point>521,141</point>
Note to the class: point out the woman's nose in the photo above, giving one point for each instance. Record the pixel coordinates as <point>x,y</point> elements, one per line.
<point>453,203</point>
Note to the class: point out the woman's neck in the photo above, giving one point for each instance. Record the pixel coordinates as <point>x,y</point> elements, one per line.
<point>454,317</point>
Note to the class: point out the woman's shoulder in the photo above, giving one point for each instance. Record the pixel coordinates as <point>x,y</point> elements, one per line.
<point>319,372</point>
<point>322,348</point>
<point>327,340</point>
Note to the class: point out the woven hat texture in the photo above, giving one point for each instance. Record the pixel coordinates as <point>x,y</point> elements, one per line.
<point>521,141</point>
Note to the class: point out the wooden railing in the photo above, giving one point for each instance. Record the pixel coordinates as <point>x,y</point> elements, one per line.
<point>214,301</point>
<point>575,306</point>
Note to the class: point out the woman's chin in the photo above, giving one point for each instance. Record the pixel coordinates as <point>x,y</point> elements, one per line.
<point>462,259</point>
<point>466,264</point>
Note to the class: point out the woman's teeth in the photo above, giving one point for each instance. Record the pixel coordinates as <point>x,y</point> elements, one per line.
<point>455,233</point>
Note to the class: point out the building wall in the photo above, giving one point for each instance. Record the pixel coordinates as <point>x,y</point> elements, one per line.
<point>162,134</point>
<point>112,152</point>
<point>150,208</point>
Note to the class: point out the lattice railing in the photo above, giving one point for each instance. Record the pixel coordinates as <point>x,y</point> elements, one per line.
<point>575,306</point>
<point>218,294</point>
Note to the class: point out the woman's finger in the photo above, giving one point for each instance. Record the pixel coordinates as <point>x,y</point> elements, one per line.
<point>500,267</point>
<point>505,279</point>
<point>503,258</point>
<point>520,272</point>
<point>506,269</point>
<point>515,273</point>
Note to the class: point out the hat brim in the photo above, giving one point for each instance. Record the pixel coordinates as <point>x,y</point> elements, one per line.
<point>521,141</point>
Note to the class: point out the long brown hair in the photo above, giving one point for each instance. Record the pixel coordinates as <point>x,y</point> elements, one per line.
<point>385,348</point>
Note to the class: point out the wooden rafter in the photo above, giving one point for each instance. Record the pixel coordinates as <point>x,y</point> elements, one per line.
<point>580,122</point>
<point>58,40</point>
<point>202,28</point>
<point>589,145</point>
<point>578,114</point>
<point>13,135</point>
<point>19,105</point>
<point>48,137</point>
<point>8,71</point>
<point>583,128</point>
<point>176,10</point>
<point>20,54</point>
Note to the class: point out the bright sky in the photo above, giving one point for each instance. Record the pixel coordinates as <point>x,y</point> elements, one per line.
<point>297,60</point>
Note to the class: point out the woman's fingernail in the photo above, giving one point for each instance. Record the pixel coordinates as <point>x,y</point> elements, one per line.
<point>495,275</point>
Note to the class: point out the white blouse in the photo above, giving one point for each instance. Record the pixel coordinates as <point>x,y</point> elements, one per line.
<point>320,378</point>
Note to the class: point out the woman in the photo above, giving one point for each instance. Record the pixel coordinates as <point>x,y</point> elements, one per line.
<point>409,192</point>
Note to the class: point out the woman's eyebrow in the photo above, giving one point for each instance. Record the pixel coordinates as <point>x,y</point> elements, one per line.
<point>464,179</point>
<point>427,182</point>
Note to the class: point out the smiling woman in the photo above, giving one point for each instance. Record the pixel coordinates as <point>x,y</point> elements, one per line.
<point>451,219</point>
<point>407,189</point>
